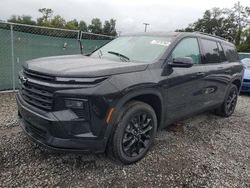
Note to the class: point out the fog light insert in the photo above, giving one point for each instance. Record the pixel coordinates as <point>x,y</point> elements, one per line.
<point>74,104</point>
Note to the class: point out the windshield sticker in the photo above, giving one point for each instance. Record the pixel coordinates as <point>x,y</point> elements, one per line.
<point>159,42</point>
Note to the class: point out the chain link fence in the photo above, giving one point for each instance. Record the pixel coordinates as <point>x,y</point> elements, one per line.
<point>19,43</point>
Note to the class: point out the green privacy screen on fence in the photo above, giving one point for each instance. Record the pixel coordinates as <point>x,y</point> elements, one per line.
<point>5,60</point>
<point>244,55</point>
<point>27,45</point>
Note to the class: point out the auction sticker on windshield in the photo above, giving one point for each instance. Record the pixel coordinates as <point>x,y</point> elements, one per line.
<point>159,42</point>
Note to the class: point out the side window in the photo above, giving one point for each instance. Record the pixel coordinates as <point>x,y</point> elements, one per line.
<point>188,47</point>
<point>221,53</point>
<point>230,52</point>
<point>211,51</point>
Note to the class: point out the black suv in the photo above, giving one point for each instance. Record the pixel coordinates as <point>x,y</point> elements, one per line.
<point>116,98</point>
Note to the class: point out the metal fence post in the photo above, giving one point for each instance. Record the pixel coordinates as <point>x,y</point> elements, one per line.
<point>12,57</point>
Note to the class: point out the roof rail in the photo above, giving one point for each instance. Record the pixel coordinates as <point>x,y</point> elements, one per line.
<point>210,35</point>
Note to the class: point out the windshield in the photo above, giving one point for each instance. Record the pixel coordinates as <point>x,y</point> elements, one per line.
<point>134,48</point>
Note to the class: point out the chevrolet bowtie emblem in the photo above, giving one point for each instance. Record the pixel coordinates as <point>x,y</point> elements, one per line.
<point>23,79</point>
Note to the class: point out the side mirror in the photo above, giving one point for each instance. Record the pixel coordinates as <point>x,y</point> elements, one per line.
<point>184,62</point>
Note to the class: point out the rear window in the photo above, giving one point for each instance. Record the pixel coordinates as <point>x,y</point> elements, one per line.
<point>230,52</point>
<point>211,51</point>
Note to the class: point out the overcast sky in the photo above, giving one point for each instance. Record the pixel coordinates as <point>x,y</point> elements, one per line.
<point>163,15</point>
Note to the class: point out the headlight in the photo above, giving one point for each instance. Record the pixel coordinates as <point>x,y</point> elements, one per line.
<point>74,104</point>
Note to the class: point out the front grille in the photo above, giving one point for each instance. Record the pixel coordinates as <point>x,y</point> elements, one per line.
<point>37,95</point>
<point>38,76</point>
<point>246,80</point>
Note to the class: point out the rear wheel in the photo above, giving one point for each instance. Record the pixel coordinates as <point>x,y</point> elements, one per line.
<point>134,133</point>
<point>228,106</point>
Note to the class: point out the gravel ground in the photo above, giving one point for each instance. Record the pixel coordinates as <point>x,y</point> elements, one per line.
<point>207,151</point>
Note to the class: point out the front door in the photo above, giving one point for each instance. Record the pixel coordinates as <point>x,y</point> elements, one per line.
<point>186,86</point>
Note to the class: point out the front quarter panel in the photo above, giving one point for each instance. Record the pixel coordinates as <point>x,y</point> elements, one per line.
<point>132,85</point>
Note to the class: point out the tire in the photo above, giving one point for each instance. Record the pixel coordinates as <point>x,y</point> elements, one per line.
<point>228,106</point>
<point>134,133</point>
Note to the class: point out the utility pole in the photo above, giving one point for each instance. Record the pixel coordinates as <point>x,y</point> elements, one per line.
<point>146,25</point>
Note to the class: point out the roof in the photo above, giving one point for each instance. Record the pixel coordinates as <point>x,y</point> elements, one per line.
<point>175,34</point>
<point>160,34</point>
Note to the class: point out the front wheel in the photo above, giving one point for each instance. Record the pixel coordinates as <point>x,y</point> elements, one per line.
<point>228,106</point>
<point>134,132</point>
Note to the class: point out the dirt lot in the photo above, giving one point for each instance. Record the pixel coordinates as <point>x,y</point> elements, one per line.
<point>209,151</point>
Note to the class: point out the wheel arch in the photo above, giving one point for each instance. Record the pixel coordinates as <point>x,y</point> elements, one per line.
<point>237,82</point>
<point>150,97</point>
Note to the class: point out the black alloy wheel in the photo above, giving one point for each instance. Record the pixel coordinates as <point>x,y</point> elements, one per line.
<point>134,132</point>
<point>231,101</point>
<point>228,106</point>
<point>137,134</point>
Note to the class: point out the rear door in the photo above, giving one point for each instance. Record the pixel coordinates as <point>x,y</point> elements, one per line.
<point>217,69</point>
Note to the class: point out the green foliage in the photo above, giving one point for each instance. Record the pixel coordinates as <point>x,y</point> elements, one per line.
<point>240,17</point>
<point>58,22</point>
<point>46,15</point>
<point>95,26</point>
<point>245,45</point>
<point>109,27</point>
<point>46,12</point>
<point>73,24</point>
<point>25,19</point>
<point>226,23</point>
<point>83,26</point>
<point>48,20</point>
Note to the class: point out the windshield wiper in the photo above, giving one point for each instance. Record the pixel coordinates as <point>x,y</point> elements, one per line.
<point>122,57</point>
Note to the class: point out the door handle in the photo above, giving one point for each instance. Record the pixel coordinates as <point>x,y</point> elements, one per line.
<point>200,73</point>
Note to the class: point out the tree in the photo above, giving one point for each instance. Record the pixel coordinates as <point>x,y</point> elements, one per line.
<point>48,20</point>
<point>216,23</point>
<point>227,23</point>
<point>83,26</point>
<point>25,19</point>
<point>240,17</point>
<point>109,27</point>
<point>106,28</point>
<point>57,21</point>
<point>95,26</point>
<point>46,12</point>
<point>245,44</point>
<point>73,24</point>
<point>46,15</point>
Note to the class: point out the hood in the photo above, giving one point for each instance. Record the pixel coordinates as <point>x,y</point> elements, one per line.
<point>247,74</point>
<point>81,66</point>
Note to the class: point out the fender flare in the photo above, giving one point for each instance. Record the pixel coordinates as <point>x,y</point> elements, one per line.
<point>127,97</point>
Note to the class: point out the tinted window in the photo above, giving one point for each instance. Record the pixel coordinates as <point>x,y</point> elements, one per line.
<point>231,53</point>
<point>188,48</point>
<point>222,54</point>
<point>211,51</point>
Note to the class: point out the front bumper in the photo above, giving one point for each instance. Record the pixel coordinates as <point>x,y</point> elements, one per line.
<point>58,131</point>
<point>245,87</point>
